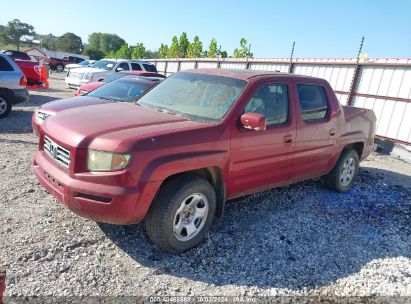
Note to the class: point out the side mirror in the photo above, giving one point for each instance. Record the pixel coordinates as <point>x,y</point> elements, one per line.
<point>253,121</point>
<point>119,69</point>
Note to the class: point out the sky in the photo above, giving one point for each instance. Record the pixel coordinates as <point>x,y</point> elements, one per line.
<point>320,29</point>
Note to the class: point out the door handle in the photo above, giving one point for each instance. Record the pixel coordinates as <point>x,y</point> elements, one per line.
<point>288,139</point>
<point>332,132</point>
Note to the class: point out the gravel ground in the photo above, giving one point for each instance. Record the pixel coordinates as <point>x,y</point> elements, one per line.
<point>295,240</point>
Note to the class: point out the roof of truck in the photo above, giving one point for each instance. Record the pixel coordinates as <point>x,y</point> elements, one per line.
<point>243,73</point>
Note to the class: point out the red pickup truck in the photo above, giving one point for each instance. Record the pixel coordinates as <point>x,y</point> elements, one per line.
<point>30,68</point>
<point>196,140</point>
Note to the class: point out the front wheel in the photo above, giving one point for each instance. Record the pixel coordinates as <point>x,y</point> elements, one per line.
<point>342,176</point>
<point>181,214</point>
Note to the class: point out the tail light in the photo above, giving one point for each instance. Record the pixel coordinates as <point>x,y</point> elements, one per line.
<point>23,81</point>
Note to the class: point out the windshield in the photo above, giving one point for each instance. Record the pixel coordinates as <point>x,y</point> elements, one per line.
<point>124,90</point>
<point>203,96</point>
<point>85,62</point>
<point>104,64</point>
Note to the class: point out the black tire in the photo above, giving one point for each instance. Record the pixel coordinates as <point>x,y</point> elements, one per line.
<point>161,218</point>
<point>336,180</point>
<point>60,67</point>
<point>5,105</point>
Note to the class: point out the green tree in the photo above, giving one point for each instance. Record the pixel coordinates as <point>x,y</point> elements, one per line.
<point>125,52</point>
<point>244,50</point>
<point>163,51</point>
<point>183,45</point>
<point>174,50</point>
<point>139,51</point>
<point>212,50</point>
<point>14,30</point>
<point>195,49</point>
<point>105,42</point>
<point>94,54</point>
<point>70,42</point>
<point>49,42</point>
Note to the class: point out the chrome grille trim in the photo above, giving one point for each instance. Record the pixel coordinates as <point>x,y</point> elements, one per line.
<point>58,153</point>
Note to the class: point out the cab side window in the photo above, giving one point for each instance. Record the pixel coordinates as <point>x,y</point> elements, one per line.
<point>313,102</point>
<point>124,66</point>
<point>271,101</point>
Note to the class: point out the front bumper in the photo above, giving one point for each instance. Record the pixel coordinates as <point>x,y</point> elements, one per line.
<point>20,95</point>
<point>106,203</point>
<point>75,83</point>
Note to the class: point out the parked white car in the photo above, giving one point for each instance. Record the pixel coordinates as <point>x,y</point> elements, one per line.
<point>83,64</point>
<point>103,68</point>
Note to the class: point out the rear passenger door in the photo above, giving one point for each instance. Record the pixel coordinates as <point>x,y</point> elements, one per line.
<point>317,130</point>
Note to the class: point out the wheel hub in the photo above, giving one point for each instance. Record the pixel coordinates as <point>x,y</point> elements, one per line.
<point>190,217</point>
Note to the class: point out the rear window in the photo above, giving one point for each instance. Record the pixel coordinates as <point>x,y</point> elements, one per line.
<point>5,65</point>
<point>150,68</point>
<point>313,102</point>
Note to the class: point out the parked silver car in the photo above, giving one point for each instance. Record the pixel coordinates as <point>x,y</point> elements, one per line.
<point>12,85</point>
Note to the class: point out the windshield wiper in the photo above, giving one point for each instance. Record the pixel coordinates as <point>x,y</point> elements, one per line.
<point>107,98</point>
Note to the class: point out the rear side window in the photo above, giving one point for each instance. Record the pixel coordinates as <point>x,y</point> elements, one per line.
<point>150,68</point>
<point>5,65</point>
<point>313,102</point>
<point>135,67</point>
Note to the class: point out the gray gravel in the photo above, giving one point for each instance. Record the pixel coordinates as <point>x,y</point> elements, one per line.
<point>295,240</point>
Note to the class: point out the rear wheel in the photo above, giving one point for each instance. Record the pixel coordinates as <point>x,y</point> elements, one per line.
<point>181,214</point>
<point>60,67</point>
<point>5,105</point>
<point>342,176</point>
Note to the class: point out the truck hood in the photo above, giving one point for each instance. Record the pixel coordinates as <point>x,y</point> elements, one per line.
<point>56,106</point>
<point>112,127</point>
<point>88,70</point>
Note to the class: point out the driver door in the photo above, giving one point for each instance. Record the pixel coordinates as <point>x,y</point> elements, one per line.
<point>262,159</point>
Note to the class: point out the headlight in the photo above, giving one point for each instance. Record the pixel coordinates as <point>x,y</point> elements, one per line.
<point>41,116</point>
<point>106,161</point>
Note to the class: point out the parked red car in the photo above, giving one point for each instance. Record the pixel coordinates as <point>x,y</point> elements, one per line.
<point>196,140</point>
<point>86,88</point>
<point>122,90</point>
<point>30,68</point>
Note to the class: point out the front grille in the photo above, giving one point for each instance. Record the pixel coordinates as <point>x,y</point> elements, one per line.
<point>58,153</point>
<point>74,75</point>
<point>42,116</point>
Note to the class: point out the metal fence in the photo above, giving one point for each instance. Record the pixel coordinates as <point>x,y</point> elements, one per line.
<point>383,85</point>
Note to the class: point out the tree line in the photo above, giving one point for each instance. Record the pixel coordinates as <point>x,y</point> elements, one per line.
<point>101,45</point>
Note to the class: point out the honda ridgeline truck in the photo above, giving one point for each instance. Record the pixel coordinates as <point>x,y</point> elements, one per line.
<point>196,140</point>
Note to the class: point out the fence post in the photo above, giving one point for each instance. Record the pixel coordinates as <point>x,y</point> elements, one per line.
<point>247,66</point>
<point>291,67</point>
<point>355,77</point>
